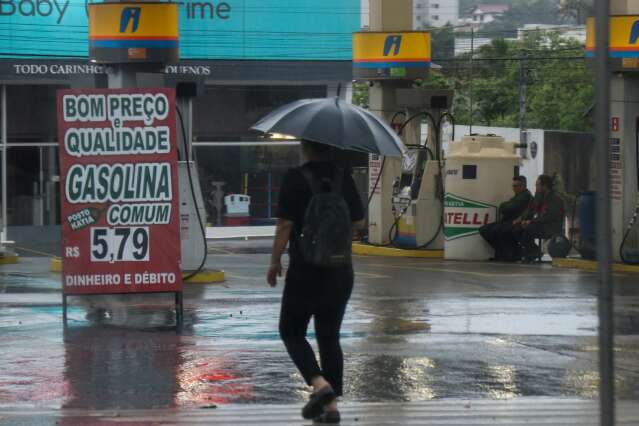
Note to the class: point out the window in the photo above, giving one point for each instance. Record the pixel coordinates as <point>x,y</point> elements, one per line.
<point>31,114</point>
<point>33,182</point>
<point>225,113</point>
<point>255,172</point>
<point>469,171</point>
<point>435,17</point>
<point>232,159</point>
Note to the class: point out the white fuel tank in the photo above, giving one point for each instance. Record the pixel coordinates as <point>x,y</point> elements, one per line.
<point>479,172</point>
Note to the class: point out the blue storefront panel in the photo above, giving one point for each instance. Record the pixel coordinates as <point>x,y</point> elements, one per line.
<point>229,29</point>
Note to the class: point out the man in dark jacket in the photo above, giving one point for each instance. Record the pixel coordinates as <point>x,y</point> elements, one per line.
<point>543,218</point>
<point>499,234</point>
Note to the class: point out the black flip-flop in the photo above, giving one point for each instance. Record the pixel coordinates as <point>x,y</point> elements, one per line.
<point>315,406</point>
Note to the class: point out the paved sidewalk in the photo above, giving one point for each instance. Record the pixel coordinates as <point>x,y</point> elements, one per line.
<point>519,411</point>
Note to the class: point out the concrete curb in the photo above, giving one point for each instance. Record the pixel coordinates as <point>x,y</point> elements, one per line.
<point>207,277</point>
<point>591,265</point>
<point>55,265</point>
<point>369,250</point>
<point>9,260</point>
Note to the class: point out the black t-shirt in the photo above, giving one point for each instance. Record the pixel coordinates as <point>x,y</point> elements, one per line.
<point>295,194</point>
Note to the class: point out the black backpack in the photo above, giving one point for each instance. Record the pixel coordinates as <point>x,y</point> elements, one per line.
<point>325,240</point>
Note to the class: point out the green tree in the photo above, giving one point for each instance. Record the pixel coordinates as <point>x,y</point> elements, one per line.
<point>576,11</point>
<point>442,43</point>
<point>360,94</point>
<point>559,84</point>
<point>561,89</point>
<point>435,79</point>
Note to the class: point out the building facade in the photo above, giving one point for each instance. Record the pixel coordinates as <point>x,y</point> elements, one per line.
<point>426,13</point>
<point>244,57</point>
<point>435,13</point>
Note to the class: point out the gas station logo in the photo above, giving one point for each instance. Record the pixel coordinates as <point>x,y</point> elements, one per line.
<point>463,217</point>
<point>392,42</point>
<point>634,33</point>
<point>130,14</point>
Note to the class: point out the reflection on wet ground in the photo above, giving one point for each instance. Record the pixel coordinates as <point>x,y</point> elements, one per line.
<point>407,336</point>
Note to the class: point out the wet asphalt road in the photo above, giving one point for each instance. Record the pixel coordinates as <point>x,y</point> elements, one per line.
<point>415,330</point>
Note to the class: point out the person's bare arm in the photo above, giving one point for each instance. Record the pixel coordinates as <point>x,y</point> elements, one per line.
<point>282,234</point>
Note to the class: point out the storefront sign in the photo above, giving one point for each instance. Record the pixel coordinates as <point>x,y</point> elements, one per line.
<point>119,197</point>
<point>463,217</point>
<point>64,69</point>
<point>226,29</point>
<point>56,9</point>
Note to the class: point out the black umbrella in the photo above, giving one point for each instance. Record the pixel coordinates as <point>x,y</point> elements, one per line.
<point>334,122</point>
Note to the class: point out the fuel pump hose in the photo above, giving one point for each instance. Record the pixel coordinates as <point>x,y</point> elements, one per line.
<point>631,225</point>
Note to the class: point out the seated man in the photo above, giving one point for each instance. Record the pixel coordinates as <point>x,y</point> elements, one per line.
<point>499,234</point>
<point>543,218</point>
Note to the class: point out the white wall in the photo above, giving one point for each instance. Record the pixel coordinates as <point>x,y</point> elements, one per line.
<point>447,11</point>
<point>365,13</point>
<point>425,11</point>
<point>464,44</point>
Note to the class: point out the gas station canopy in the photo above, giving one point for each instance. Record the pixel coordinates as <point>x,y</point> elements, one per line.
<point>400,55</point>
<point>624,42</point>
<point>133,32</point>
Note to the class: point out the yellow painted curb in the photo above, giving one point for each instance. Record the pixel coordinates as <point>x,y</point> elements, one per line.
<point>55,265</point>
<point>7,260</point>
<point>591,265</point>
<point>206,277</point>
<point>395,252</point>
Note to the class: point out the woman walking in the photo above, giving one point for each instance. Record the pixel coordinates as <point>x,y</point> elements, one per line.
<point>312,288</point>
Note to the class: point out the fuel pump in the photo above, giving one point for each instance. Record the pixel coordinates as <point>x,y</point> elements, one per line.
<point>405,200</point>
<point>417,201</point>
<point>406,190</point>
<point>192,209</point>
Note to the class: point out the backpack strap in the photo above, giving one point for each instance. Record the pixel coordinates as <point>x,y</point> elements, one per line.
<point>337,181</point>
<point>316,184</point>
<point>310,179</point>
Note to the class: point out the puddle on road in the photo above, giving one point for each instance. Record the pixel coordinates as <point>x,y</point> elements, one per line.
<point>230,352</point>
<point>17,283</point>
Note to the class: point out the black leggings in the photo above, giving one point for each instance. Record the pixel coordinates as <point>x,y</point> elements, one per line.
<point>321,293</point>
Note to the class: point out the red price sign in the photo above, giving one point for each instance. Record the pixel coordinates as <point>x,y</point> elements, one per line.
<point>120,210</point>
